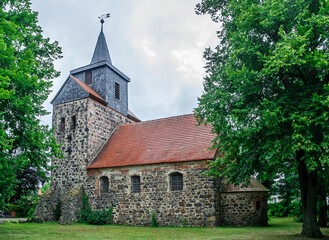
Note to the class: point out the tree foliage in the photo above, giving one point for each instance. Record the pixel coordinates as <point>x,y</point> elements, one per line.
<point>26,67</point>
<point>266,92</point>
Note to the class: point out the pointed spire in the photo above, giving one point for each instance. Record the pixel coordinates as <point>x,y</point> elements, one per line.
<point>101,52</point>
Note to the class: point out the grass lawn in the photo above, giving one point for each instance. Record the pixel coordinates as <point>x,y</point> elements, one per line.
<point>280,228</point>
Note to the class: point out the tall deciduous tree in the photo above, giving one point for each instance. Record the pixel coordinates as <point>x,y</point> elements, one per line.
<point>26,67</point>
<point>266,92</point>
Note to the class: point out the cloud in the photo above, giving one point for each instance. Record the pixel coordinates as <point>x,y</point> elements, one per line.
<point>158,44</point>
<point>145,45</point>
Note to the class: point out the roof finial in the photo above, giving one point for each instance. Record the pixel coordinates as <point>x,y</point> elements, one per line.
<point>102,19</point>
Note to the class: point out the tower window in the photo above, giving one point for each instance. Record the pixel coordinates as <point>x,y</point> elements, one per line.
<point>104,184</point>
<point>117,90</point>
<point>69,152</point>
<point>176,181</point>
<point>88,77</point>
<point>74,122</point>
<point>135,184</point>
<point>62,125</point>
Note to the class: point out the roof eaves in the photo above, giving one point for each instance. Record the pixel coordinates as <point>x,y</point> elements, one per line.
<point>99,64</point>
<point>131,165</point>
<point>60,90</point>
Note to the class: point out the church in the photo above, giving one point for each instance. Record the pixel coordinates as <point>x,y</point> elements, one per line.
<point>138,166</point>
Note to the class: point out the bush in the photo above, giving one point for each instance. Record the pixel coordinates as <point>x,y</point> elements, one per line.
<point>294,209</point>
<point>154,220</point>
<point>85,208</point>
<point>45,187</point>
<point>184,222</point>
<point>87,215</point>
<point>30,214</point>
<point>101,217</point>
<point>277,209</point>
<point>24,204</point>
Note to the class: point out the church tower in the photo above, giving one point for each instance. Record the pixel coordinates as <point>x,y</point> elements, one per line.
<point>102,77</point>
<point>92,102</point>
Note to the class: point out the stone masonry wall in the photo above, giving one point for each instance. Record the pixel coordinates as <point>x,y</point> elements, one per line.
<point>94,123</point>
<point>195,202</point>
<point>240,209</point>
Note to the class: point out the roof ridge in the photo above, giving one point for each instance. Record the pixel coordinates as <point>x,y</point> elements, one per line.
<point>152,120</point>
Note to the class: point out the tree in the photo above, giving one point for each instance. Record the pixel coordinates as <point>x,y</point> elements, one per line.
<point>266,92</point>
<point>323,193</point>
<point>26,67</point>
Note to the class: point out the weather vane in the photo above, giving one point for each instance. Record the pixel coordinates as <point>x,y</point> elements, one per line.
<point>107,15</point>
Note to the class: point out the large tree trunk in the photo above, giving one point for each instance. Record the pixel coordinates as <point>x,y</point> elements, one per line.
<point>323,218</point>
<point>308,181</point>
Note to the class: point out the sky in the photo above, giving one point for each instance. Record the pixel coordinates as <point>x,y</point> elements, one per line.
<point>158,44</point>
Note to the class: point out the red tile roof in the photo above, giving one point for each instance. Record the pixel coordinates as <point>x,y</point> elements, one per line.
<point>174,139</point>
<point>92,93</point>
<point>253,186</point>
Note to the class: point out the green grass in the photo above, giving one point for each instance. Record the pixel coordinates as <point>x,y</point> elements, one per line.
<point>280,228</point>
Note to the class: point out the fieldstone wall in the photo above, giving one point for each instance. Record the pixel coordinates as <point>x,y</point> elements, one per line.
<point>44,212</point>
<point>94,123</point>
<point>242,209</point>
<point>82,126</point>
<point>195,202</point>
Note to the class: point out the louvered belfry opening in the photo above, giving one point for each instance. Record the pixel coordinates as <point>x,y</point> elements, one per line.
<point>117,91</point>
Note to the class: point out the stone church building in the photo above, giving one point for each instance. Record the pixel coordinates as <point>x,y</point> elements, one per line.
<point>137,166</point>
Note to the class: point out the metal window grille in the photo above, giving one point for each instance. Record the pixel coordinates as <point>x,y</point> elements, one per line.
<point>104,182</point>
<point>117,90</point>
<point>176,181</point>
<point>88,77</point>
<point>135,184</point>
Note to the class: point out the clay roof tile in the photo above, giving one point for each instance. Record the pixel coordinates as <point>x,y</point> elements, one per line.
<point>174,139</point>
<point>89,90</point>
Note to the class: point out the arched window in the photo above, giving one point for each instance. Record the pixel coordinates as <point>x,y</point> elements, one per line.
<point>135,184</point>
<point>176,181</point>
<point>62,125</point>
<point>104,184</point>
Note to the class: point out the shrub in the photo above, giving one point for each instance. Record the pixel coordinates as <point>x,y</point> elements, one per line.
<point>154,220</point>
<point>30,214</point>
<point>294,209</point>
<point>184,222</point>
<point>45,187</point>
<point>85,208</point>
<point>101,217</point>
<point>87,215</point>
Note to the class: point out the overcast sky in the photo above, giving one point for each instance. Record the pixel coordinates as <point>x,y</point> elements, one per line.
<point>158,44</point>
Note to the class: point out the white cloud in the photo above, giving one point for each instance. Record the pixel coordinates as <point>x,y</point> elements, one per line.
<point>146,46</point>
<point>158,44</point>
